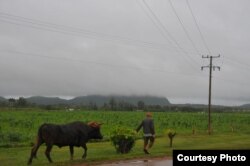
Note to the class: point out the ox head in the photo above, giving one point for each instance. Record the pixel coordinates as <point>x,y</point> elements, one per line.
<point>95,132</point>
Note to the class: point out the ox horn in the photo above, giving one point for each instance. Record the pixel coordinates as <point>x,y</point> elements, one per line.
<point>93,124</point>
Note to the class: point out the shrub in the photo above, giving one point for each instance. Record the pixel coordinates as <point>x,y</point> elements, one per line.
<point>123,139</point>
<point>1,137</point>
<point>14,137</point>
<point>1,134</point>
<point>171,133</point>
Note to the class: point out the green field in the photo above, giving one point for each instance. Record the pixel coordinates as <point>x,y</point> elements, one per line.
<point>18,129</point>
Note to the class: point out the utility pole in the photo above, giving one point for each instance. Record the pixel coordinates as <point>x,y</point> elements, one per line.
<point>210,66</point>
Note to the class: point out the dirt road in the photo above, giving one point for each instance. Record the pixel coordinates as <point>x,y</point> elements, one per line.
<point>145,162</point>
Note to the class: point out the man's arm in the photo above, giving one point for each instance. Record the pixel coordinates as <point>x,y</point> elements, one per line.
<point>152,127</point>
<point>139,127</point>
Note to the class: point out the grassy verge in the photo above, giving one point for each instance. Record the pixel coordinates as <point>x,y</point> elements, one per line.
<point>104,151</point>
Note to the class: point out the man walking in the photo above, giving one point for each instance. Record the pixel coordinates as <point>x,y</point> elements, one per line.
<point>148,130</point>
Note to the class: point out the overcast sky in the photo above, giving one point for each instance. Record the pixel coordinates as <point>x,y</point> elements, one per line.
<point>73,48</point>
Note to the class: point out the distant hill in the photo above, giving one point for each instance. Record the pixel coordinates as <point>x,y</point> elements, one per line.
<point>98,100</point>
<point>40,100</point>
<point>199,105</point>
<point>84,100</point>
<point>245,106</point>
<point>2,99</point>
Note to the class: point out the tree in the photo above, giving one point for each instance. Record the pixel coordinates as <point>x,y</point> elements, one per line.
<point>112,103</point>
<point>92,106</point>
<point>105,106</point>
<point>3,104</point>
<point>141,105</point>
<point>12,102</point>
<point>22,102</point>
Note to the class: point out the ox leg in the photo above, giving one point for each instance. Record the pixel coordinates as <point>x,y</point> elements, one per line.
<point>47,152</point>
<point>85,151</point>
<point>36,147</point>
<point>71,148</point>
<point>34,151</point>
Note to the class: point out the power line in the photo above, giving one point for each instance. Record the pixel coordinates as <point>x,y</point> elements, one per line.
<point>238,62</point>
<point>168,33</point>
<point>196,23</point>
<point>163,33</point>
<point>228,81</point>
<point>68,30</point>
<point>231,81</point>
<point>149,46</point>
<point>97,63</point>
<point>32,23</point>
<point>183,27</point>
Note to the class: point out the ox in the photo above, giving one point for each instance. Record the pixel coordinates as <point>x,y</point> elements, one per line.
<point>72,134</point>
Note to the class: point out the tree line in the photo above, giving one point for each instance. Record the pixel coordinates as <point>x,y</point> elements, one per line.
<point>11,102</point>
<point>112,104</point>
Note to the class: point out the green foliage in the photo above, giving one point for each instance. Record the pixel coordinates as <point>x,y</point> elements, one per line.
<point>1,135</point>
<point>26,122</point>
<point>141,105</point>
<point>21,102</point>
<point>123,139</point>
<point>14,137</point>
<point>171,134</point>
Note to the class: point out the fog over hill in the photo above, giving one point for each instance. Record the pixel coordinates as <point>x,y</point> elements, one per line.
<point>98,100</point>
<point>40,100</point>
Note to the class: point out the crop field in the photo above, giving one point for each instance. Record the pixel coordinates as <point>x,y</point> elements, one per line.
<point>19,127</point>
<point>18,130</point>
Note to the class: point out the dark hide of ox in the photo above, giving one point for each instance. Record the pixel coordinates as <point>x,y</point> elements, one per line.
<point>72,134</point>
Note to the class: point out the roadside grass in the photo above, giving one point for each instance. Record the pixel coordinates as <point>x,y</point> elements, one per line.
<point>101,152</point>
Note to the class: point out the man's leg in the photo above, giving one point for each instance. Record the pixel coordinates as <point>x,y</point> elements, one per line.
<point>152,140</point>
<point>146,139</point>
